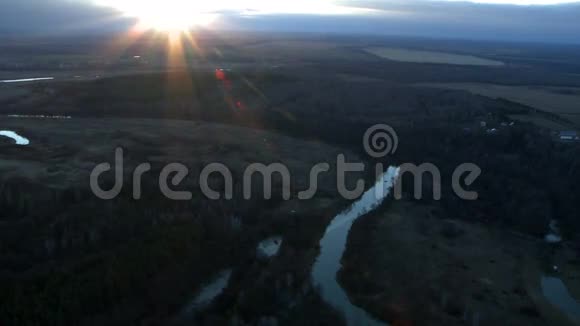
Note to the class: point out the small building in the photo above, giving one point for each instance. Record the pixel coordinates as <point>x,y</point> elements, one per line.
<point>569,136</point>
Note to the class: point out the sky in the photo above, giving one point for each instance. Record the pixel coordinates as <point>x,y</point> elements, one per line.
<point>524,20</point>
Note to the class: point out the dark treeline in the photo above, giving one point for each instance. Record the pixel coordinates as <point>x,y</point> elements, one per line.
<point>528,177</point>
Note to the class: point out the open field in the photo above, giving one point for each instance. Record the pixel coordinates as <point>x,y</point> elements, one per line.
<point>415,56</point>
<point>447,271</point>
<point>560,100</point>
<point>62,151</point>
<point>540,121</point>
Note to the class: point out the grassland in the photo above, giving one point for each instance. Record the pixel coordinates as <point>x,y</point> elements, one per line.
<point>447,271</point>
<point>563,101</point>
<point>414,56</point>
<point>540,121</point>
<point>163,141</point>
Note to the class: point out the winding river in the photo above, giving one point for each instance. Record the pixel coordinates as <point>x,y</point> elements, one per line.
<point>333,244</point>
<point>25,80</point>
<point>208,293</point>
<point>558,295</point>
<point>19,140</point>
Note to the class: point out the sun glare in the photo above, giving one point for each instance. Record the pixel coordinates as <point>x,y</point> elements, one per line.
<point>165,15</point>
<point>185,14</point>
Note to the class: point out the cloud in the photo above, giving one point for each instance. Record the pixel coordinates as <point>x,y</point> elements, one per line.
<point>431,18</point>
<point>497,20</point>
<point>57,17</point>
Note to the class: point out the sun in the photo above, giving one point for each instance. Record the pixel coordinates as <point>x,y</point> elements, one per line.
<point>185,14</point>
<point>166,15</point>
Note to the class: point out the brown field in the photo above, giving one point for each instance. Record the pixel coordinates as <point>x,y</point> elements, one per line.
<point>415,56</point>
<point>459,271</point>
<point>63,152</point>
<point>564,101</point>
<point>540,121</point>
